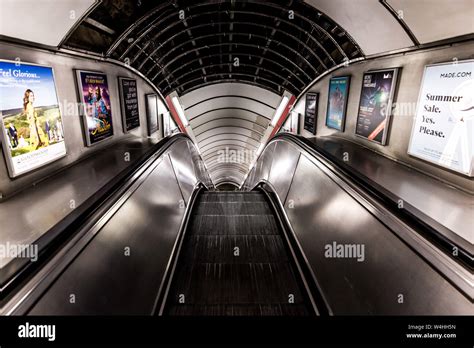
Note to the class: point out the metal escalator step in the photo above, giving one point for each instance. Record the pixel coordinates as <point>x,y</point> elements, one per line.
<point>241,310</point>
<point>211,279</point>
<point>235,249</point>
<point>253,283</point>
<point>232,197</point>
<point>232,208</point>
<point>233,225</point>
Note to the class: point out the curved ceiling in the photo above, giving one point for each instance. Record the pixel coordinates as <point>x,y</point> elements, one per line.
<point>182,45</point>
<point>228,121</point>
<point>230,61</point>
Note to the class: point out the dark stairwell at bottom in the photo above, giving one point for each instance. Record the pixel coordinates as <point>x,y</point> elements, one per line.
<point>234,261</point>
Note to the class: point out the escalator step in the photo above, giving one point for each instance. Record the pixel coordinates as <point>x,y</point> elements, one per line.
<point>233,225</point>
<point>222,249</point>
<point>232,208</point>
<point>232,197</point>
<point>241,310</point>
<point>211,279</point>
<point>218,283</point>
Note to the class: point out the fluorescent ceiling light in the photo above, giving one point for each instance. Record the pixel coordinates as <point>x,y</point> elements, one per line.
<point>279,110</point>
<point>179,110</point>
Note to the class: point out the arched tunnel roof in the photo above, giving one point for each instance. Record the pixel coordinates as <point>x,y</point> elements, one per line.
<point>254,50</point>
<point>184,45</point>
<point>230,61</point>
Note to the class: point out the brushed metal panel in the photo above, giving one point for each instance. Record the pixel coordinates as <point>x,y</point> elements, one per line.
<point>182,163</point>
<point>323,213</point>
<point>50,202</point>
<point>285,159</point>
<point>264,163</point>
<point>200,170</point>
<point>444,206</point>
<point>102,278</point>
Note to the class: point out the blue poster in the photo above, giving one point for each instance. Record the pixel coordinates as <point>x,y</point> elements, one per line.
<point>337,102</point>
<point>31,122</point>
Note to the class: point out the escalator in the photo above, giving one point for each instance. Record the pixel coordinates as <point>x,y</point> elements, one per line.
<point>162,241</point>
<point>234,260</point>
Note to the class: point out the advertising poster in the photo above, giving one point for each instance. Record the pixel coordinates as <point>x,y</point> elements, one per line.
<point>95,98</point>
<point>31,122</point>
<point>337,102</point>
<point>152,113</point>
<point>373,119</point>
<point>129,102</point>
<point>443,126</point>
<point>311,109</point>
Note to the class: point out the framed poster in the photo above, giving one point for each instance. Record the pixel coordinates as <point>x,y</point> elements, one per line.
<point>375,106</point>
<point>95,101</point>
<point>129,103</point>
<point>152,113</point>
<point>31,122</point>
<point>311,109</point>
<point>337,102</point>
<point>443,128</point>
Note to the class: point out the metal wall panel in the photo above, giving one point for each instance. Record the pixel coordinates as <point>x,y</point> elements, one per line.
<point>182,164</point>
<point>102,276</point>
<point>389,276</point>
<point>323,214</point>
<point>283,168</point>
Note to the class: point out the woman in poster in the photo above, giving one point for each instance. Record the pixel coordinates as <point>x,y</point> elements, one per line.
<point>36,132</point>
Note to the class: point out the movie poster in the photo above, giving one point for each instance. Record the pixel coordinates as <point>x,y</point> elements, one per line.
<point>443,129</point>
<point>152,113</point>
<point>97,112</point>
<point>129,102</point>
<point>31,122</point>
<point>337,102</point>
<point>311,109</point>
<point>378,88</point>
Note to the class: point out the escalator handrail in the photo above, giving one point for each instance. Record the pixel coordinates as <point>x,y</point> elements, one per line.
<point>457,270</point>
<point>71,228</point>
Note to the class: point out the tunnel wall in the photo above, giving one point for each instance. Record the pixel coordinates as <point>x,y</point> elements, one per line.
<point>409,85</point>
<point>63,67</point>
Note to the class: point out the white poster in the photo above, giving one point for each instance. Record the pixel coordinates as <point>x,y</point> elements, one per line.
<point>443,126</point>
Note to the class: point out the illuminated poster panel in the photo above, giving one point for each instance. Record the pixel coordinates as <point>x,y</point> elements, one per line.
<point>152,113</point>
<point>97,112</point>
<point>31,122</point>
<point>129,103</point>
<point>337,102</point>
<point>311,109</point>
<point>373,119</point>
<point>443,127</point>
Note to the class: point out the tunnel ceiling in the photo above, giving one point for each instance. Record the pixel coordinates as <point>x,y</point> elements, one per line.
<point>183,45</point>
<point>229,61</point>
